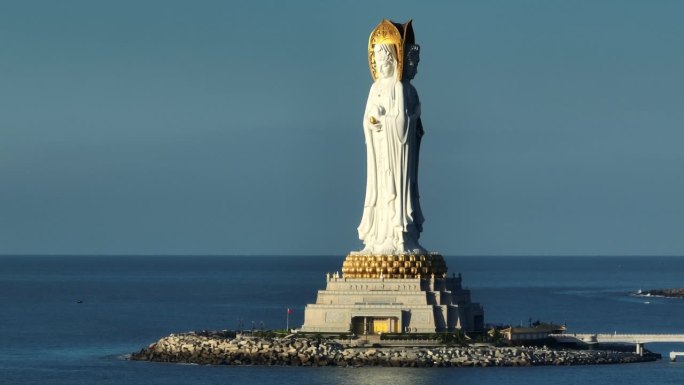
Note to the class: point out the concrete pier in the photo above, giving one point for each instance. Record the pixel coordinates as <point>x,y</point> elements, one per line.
<point>637,339</point>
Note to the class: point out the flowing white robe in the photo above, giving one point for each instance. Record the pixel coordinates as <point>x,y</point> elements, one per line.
<point>391,221</point>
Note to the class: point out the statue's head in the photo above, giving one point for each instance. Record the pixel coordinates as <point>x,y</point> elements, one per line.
<point>411,62</point>
<point>386,48</point>
<point>385,60</point>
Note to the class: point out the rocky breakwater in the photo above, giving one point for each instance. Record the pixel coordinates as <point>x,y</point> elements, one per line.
<point>216,349</point>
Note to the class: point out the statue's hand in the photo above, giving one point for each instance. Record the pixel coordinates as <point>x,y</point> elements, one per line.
<point>374,123</point>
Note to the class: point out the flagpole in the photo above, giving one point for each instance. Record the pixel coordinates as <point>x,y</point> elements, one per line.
<point>287,323</point>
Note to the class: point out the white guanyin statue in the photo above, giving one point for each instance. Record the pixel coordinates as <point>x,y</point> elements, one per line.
<point>392,219</point>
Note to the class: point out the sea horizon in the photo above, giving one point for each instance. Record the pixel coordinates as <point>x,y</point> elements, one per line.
<point>71,319</point>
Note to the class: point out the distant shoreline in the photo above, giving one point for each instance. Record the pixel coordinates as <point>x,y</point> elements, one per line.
<point>666,293</point>
<point>330,255</point>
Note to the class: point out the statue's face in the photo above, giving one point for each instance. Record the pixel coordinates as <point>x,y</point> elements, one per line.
<point>384,62</point>
<point>411,66</point>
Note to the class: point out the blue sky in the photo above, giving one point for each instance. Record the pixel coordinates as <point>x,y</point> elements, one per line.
<point>234,127</point>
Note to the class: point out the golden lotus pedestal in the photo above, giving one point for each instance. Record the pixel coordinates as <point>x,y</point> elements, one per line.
<point>394,266</point>
<point>393,294</point>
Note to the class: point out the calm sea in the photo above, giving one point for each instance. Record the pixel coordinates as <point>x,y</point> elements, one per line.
<point>47,337</point>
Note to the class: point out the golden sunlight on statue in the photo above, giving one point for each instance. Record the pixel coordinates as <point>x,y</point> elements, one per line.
<point>392,219</point>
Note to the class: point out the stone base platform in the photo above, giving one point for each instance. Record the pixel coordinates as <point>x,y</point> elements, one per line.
<point>422,304</point>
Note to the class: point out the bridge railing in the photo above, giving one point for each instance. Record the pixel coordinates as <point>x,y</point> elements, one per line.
<point>629,338</point>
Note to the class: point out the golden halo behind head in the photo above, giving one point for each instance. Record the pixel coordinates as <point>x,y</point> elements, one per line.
<point>386,33</point>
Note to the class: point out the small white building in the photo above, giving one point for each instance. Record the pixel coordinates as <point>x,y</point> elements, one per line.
<point>536,332</point>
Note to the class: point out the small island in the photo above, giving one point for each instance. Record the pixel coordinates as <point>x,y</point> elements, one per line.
<point>667,293</point>
<point>394,303</point>
<point>231,348</point>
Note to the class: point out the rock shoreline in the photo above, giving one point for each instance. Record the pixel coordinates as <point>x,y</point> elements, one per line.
<point>668,293</point>
<point>219,349</point>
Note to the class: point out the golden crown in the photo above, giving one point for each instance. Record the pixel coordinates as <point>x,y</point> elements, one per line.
<point>394,34</point>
